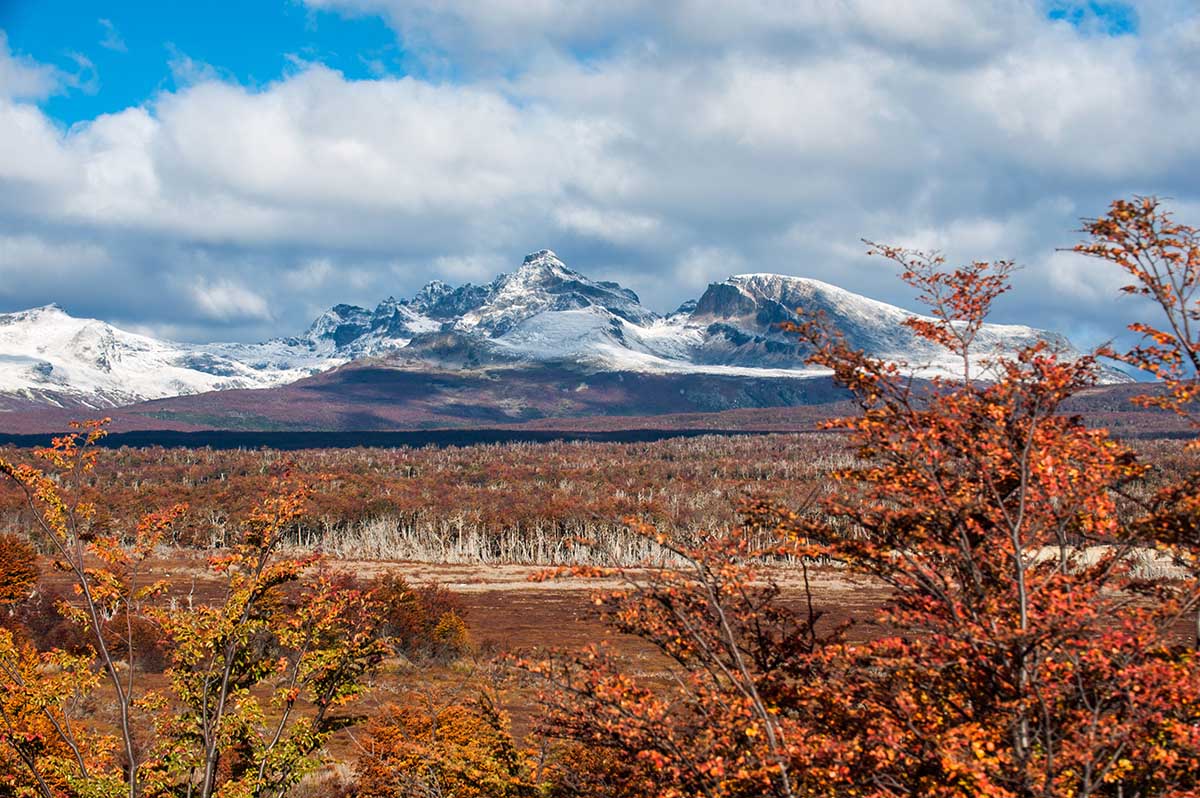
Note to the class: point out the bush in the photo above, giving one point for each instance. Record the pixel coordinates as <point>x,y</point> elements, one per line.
<point>38,621</point>
<point>422,749</point>
<point>587,771</point>
<point>18,569</point>
<point>450,636</point>
<point>421,623</point>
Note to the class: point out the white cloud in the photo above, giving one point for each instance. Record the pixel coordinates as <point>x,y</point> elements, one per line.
<point>701,265</point>
<point>26,258</point>
<point>187,71</point>
<point>461,268</point>
<point>501,33</point>
<point>609,225</point>
<point>22,77</point>
<point>227,300</point>
<point>664,144</point>
<point>311,275</point>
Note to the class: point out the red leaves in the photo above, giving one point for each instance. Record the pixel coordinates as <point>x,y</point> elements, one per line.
<point>1021,658</point>
<point>959,300</point>
<point>1163,258</point>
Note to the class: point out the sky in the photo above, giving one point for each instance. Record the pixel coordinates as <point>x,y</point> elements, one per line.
<point>227,170</point>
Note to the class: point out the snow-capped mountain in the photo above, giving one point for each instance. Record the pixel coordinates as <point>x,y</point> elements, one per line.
<point>542,284</point>
<point>49,357</point>
<point>740,317</point>
<point>543,312</point>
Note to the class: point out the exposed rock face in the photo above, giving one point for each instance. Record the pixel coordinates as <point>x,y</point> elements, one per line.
<point>543,312</point>
<point>543,284</point>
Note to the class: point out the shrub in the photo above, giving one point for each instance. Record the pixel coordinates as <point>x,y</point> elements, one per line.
<point>18,569</point>
<point>450,636</point>
<point>421,623</point>
<point>38,621</point>
<point>589,771</point>
<point>422,748</point>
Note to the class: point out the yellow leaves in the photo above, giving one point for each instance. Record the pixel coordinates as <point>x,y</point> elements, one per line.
<point>328,642</point>
<point>1120,769</point>
<point>982,749</point>
<point>459,748</point>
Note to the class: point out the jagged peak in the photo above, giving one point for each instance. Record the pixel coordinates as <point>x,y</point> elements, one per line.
<point>343,309</point>
<point>541,255</point>
<point>685,309</point>
<point>541,265</point>
<point>430,293</point>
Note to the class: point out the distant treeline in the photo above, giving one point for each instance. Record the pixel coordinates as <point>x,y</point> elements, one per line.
<point>296,441</point>
<point>556,501</point>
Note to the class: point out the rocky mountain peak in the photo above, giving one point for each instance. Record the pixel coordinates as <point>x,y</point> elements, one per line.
<point>430,294</point>
<point>543,311</point>
<point>544,284</point>
<point>541,256</point>
<point>44,311</point>
<point>539,268</point>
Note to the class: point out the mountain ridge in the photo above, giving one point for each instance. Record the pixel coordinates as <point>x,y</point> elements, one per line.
<point>543,312</point>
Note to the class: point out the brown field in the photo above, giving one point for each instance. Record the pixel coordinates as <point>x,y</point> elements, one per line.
<point>483,522</point>
<point>509,609</point>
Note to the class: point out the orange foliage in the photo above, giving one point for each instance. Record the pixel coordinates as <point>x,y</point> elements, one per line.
<point>420,623</point>
<point>423,748</point>
<point>18,569</point>
<point>1032,642</point>
<point>1162,257</point>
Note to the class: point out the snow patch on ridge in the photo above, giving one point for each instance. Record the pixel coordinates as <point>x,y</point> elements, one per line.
<point>543,311</point>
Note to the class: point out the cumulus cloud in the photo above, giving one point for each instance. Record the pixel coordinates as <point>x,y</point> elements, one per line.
<point>662,144</point>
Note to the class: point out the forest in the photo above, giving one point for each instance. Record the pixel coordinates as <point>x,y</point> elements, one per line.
<point>963,589</point>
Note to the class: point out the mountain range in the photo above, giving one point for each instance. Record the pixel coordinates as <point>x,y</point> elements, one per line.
<point>529,342</point>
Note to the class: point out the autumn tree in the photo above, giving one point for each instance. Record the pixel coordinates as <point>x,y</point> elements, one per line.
<point>306,644</point>
<point>1161,257</point>
<point>1029,645</point>
<point>734,654</point>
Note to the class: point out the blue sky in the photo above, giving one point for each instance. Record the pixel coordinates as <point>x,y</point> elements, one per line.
<point>226,170</point>
<point>1108,18</point>
<point>124,53</point>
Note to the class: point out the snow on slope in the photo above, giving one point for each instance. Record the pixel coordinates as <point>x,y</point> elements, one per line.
<point>741,316</point>
<point>591,337</point>
<point>542,284</point>
<point>48,356</point>
<point>350,332</point>
<point>541,312</point>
